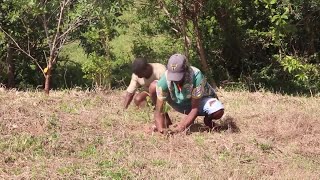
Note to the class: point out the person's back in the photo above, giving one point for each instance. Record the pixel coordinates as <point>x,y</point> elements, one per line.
<point>144,75</point>
<point>142,81</point>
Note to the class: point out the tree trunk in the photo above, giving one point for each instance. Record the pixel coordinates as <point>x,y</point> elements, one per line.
<point>47,79</point>
<point>232,46</point>
<point>10,64</point>
<point>200,48</point>
<point>183,28</point>
<point>199,43</point>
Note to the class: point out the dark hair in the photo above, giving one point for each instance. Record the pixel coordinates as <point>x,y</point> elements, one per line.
<point>138,65</point>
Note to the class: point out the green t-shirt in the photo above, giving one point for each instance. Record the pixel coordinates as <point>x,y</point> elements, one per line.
<point>195,86</point>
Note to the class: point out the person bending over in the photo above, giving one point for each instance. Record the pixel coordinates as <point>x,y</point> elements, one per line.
<point>186,90</point>
<point>144,75</point>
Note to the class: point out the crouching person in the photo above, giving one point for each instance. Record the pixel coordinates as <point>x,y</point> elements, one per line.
<point>144,75</point>
<point>186,90</point>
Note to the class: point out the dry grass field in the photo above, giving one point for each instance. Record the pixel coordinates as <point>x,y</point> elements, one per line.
<point>86,135</point>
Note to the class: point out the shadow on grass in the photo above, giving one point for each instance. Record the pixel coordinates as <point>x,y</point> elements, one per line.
<point>226,124</point>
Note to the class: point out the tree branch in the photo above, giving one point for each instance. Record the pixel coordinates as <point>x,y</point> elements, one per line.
<point>164,8</point>
<point>45,26</point>
<point>20,49</point>
<point>62,8</point>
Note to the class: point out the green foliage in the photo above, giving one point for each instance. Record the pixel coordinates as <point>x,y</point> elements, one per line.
<point>69,74</point>
<point>97,69</point>
<point>304,74</point>
<point>245,42</point>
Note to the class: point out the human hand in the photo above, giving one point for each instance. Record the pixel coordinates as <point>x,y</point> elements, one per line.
<point>177,128</point>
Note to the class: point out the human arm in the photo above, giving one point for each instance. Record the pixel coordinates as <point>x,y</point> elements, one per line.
<point>187,121</point>
<point>197,93</point>
<point>162,95</point>
<point>130,91</point>
<point>159,116</point>
<point>127,99</point>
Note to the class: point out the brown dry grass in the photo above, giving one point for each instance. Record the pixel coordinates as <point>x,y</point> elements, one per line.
<point>87,135</point>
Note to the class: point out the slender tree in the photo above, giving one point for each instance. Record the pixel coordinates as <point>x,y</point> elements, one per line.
<point>56,20</point>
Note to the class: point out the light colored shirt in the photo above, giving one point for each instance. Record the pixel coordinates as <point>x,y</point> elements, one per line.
<point>136,82</point>
<point>195,86</point>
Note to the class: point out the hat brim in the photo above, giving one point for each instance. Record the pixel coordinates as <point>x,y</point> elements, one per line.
<point>175,76</point>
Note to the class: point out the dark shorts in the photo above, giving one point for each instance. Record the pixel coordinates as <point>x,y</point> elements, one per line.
<point>207,106</point>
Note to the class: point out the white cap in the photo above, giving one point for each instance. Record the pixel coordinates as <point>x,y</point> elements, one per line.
<point>212,105</point>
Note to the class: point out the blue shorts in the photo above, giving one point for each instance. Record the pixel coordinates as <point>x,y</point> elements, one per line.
<point>207,105</point>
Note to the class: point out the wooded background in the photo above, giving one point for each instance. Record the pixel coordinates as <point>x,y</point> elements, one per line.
<point>257,44</point>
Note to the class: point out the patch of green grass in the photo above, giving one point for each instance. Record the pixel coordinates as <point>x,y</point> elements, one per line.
<point>53,122</point>
<point>68,108</point>
<point>139,164</point>
<point>264,146</point>
<point>25,142</point>
<point>143,115</point>
<point>88,103</point>
<point>224,155</point>
<point>53,128</point>
<point>17,171</point>
<point>3,144</point>
<point>117,174</point>
<point>107,122</point>
<point>14,171</point>
<point>154,140</point>
<point>89,151</point>
<point>105,164</point>
<point>159,162</point>
<point>97,141</point>
<point>244,159</point>
<point>54,136</point>
<point>108,169</point>
<point>69,169</point>
<point>199,139</point>
<point>119,155</point>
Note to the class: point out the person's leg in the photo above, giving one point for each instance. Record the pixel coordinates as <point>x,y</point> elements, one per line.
<point>153,96</point>
<point>168,121</point>
<point>152,92</point>
<point>140,98</point>
<point>209,119</point>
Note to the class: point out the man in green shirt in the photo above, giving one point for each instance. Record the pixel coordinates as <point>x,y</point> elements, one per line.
<point>186,90</point>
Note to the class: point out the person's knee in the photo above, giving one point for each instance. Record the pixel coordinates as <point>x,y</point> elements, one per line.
<point>139,98</point>
<point>152,87</point>
<point>153,91</point>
